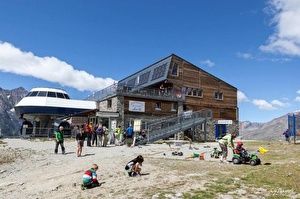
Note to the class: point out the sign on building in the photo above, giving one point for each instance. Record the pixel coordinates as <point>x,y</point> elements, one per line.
<point>224,121</point>
<point>136,106</point>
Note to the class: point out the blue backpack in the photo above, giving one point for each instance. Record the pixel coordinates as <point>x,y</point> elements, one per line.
<point>129,131</point>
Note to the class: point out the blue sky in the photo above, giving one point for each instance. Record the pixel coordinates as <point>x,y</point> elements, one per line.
<point>84,46</point>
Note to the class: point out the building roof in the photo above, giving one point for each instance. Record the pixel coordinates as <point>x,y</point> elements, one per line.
<point>155,73</point>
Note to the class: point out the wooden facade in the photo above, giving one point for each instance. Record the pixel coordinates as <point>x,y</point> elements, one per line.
<point>172,86</point>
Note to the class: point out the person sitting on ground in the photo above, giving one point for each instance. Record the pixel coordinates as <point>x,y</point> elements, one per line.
<point>133,167</point>
<point>240,150</point>
<point>89,179</point>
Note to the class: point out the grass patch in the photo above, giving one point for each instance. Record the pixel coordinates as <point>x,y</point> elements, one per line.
<point>2,142</point>
<point>276,178</point>
<point>9,155</point>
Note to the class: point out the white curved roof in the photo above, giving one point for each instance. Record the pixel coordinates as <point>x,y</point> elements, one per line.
<point>48,89</point>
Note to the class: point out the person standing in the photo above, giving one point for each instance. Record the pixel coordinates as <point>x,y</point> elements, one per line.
<point>87,134</point>
<point>224,142</point>
<point>59,140</point>
<point>287,135</point>
<point>118,135</point>
<point>100,133</point>
<point>129,135</point>
<point>105,136</point>
<point>80,136</point>
<point>94,136</point>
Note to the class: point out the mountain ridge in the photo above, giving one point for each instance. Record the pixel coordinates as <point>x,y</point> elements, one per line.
<point>272,130</point>
<point>10,123</point>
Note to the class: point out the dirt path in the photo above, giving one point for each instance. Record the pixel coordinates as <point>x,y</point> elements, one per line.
<point>39,173</point>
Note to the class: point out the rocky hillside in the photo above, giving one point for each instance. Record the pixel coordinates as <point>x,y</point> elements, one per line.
<point>9,122</point>
<point>264,131</point>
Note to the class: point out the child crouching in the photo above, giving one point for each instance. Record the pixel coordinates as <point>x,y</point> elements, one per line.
<point>89,179</point>
<point>133,167</point>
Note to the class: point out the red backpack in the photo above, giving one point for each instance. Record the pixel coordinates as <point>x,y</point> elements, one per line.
<point>86,128</point>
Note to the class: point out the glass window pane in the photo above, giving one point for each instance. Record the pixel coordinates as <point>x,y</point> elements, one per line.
<point>51,94</point>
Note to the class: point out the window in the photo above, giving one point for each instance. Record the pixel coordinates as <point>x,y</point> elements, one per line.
<point>218,95</point>
<point>175,69</point>
<point>144,78</point>
<point>197,92</point>
<point>137,80</point>
<point>157,105</point>
<point>42,94</point>
<point>51,94</point>
<point>34,93</point>
<point>109,103</point>
<point>202,127</point>
<point>173,106</point>
<point>66,96</point>
<point>60,95</point>
<point>131,82</point>
<point>159,71</point>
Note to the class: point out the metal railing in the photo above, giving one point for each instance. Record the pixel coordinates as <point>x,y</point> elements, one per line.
<point>164,128</point>
<point>153,93</point>
<point>44,132</point>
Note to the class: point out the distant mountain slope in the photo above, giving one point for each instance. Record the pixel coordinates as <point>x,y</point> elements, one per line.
<point>264,131</point>
<point>9,122</point>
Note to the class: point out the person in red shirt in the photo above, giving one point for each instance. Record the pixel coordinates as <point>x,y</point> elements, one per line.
<point>240,150</point>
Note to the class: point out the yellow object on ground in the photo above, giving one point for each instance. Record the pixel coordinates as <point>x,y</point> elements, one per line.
<point>262,150</point>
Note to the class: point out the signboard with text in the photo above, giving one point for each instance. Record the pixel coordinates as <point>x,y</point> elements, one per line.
<point>224,121</point>
<point>136,106</point>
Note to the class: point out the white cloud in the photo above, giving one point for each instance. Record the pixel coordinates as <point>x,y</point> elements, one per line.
<point>297,99</point>
<point>263,104</point>
<point>242,97</point>
<point>279,103</point>
<point>244,55</point>
<point>51,69</point>
<point>298,92</point>
<point>286,38</point>
<point>208,63</point>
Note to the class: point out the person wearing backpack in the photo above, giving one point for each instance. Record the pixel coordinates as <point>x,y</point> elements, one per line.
<point>129,135</point>
<point>100,134</point>
<point>87,133</point>
<point>94,136</point>
<point>287,135</point>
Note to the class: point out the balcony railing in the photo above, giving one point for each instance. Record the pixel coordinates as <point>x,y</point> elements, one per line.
<point>154,93</point>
